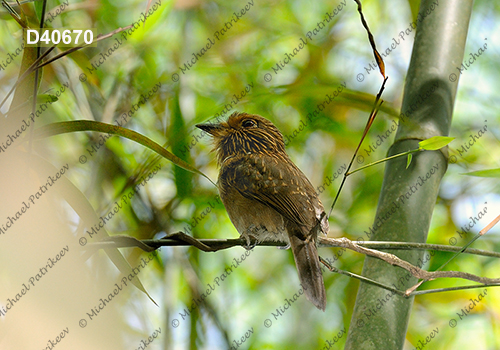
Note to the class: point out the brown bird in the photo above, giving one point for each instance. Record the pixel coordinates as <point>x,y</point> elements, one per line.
<point>267,196</point>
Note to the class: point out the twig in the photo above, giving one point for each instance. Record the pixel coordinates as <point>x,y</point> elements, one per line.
<point>361,278</point>
<point>213,245</point>
<point>480,234</point>
<point>371,118</point>
<point>414,270</point>
<point>35,65</point>
<point>220,244</point>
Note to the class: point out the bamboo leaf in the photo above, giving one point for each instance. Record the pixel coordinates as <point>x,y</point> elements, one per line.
<point>435,143</point>
<point>485,173</point>
<point>90,125</point>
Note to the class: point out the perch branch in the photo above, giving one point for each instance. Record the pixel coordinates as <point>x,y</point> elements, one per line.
<point>212,245</point>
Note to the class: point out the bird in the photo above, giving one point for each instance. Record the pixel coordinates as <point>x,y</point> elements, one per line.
<point>266,196</point>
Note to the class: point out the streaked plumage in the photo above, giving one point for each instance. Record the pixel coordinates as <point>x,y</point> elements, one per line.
<point>267,196</point>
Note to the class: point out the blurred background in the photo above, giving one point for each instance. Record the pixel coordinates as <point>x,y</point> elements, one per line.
<point>192,59</point>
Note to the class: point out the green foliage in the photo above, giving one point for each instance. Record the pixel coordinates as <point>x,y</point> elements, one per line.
<point>485,173</point>
<point>434,143</point>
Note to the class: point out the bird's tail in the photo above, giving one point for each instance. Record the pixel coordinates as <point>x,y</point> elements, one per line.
<point>307,262</point>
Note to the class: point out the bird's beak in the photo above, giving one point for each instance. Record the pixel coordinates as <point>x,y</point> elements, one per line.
<point>209,127</point>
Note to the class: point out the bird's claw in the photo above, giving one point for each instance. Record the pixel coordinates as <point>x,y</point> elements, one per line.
<point>284,247</point>
<point>249,245</point>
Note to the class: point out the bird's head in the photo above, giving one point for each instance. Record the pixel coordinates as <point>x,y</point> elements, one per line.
<point>244,133</point>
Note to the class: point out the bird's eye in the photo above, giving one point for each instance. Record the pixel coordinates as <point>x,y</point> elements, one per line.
<point>249,123</point>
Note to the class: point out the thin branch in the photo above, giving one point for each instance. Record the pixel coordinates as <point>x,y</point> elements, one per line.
<point>414,270</point>
<point>215,245</point>
<point>440,290</point>
<point>220,244</point>
<point>35,65</point>
<point>480,234</point>
<point>73,49</point>
<point>384,160</point>
<point>37,76</point>
<point>371,118</point>
<point>361,278</point>
<point>24,75</point>
<point>400,292</point>
<point>388,245</point>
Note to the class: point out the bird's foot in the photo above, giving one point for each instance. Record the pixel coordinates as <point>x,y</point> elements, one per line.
<point>284,247</point>
<point>249,245</point>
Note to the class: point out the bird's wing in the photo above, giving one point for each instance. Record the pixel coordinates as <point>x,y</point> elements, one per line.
<point>277,183</point>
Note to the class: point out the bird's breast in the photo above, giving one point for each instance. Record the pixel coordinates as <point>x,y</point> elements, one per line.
<point>248,215</point>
